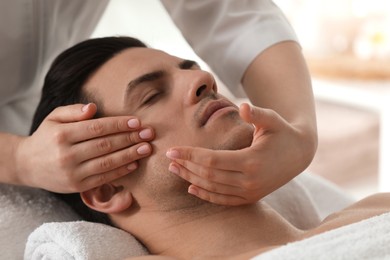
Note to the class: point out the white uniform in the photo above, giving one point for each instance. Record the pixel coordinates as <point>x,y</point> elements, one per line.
<point>226,34</point>
<point>32,33</point>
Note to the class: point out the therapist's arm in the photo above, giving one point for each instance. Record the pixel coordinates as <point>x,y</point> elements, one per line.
<point>278,79</point>
<point>69,153</point>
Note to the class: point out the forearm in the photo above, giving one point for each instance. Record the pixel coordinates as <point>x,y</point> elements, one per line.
<point>8,165</point>
<point>278,79</point>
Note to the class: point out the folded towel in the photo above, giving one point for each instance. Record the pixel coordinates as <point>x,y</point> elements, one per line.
<point>81,240</point>
<point>367,239</point>
<point>22,210</point>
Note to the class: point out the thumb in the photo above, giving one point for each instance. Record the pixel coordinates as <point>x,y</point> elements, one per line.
<point>260,117</point>
<point>73,113</point>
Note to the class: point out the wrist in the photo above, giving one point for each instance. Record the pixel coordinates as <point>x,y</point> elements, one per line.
<point>18,161</point>
<point>308,141</point>
<point>9,161</point>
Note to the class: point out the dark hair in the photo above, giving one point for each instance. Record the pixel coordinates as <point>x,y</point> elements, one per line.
<point>63,86</point>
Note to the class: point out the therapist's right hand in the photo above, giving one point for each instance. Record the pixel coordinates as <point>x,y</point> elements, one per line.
<point>70,152</point>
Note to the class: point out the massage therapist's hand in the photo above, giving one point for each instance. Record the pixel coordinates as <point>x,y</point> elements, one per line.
<point>69,153</point>
<point>243,176</point>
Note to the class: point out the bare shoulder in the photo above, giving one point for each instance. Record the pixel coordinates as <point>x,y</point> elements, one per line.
<point>366,208</point>
<point>378,201</point>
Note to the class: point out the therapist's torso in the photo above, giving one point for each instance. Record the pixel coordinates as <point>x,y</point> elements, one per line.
<point>32,33</point>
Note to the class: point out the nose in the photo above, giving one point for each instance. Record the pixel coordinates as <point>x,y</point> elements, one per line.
<point>201,84</point>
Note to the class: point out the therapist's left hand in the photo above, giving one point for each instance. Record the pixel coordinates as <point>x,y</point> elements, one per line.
<point>276,155</point>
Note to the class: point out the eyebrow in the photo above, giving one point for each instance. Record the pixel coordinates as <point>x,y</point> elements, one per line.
<point>188,64</point>
<point>155,75</point>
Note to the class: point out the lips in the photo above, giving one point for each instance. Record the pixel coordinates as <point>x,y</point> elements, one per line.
<point>213,107</point>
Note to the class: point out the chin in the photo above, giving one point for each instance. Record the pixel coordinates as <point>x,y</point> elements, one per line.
<point>237,138</point>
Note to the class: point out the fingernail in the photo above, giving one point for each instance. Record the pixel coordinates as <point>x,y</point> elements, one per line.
<point>193,191</point>
<point>133,123</point>
<point>132,166</point>
<point>85,107</point>
<point>173,154</point>
<point>173,169</point>
<point>251,110</point>
<point>144,149</point>
<point>145,134</point>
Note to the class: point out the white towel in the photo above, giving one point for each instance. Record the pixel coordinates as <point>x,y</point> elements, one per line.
<point>21,211</point>
<point>81,240</point>
<point>368,239</point>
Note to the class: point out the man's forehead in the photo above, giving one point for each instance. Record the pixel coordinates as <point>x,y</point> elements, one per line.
<point>148,57</point>
<point>130,64</point>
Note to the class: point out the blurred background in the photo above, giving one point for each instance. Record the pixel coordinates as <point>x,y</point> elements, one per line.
<point>347,47</point>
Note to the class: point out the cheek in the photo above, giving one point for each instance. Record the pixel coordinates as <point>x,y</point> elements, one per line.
<point>156,183</point>
<point>158,163</point>
<point>173,130</point>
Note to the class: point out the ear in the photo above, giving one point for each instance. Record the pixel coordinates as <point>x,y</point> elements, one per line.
<point>107,198</point>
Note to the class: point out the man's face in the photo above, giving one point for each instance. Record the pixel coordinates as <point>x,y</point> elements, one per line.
<point>178,100</point>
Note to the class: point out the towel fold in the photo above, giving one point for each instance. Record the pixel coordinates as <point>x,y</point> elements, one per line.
<point>367,239</point>
<point>81,240</point>
<point>22,210</point>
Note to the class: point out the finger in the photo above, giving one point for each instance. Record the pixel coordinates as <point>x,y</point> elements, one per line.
<point>203,183</point>
<point>260,117</point>
<point>245,112</point>
<point>89,129</point>
<point>216,198</point>
<point>217,159</point>
<point>72,113</point>
<point>114,160</point>
<point>100,146</point>
<point>102,178</point>
<point>227,177</point>
<point>77,131</point>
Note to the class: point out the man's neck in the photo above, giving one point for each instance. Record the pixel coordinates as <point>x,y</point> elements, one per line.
<point>212,231</point>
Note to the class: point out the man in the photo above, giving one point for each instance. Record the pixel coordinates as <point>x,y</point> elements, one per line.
<point>241,41</point>
<point>181,102</point>
<point>235,38</point>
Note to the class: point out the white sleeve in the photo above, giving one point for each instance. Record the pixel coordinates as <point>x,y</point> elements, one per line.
<point>229,34</point>
<point>32,34</point>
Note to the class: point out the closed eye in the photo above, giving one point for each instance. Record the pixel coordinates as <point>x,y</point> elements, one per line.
<point>151,98</point>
